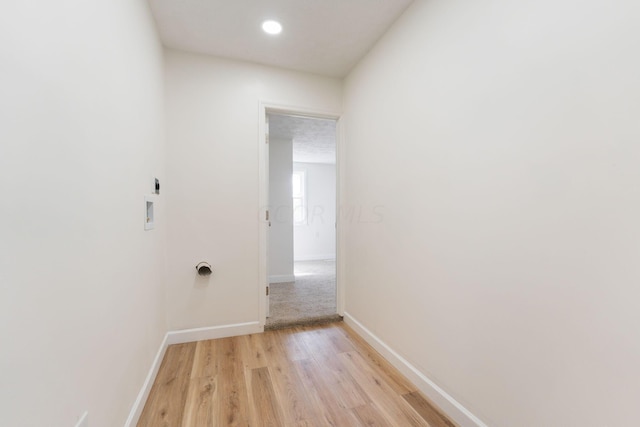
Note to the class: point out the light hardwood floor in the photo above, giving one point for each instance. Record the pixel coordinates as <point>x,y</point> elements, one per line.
<point>299,377</point>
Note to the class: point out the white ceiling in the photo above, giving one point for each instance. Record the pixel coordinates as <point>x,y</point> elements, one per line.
<point>325,37</point>
<point>314,140</point>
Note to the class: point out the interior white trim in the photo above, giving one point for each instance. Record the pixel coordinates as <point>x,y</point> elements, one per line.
<point>320,257</point>
<point>341,254</point>
<point>181,337</point>
<point>138,406</point>
<point>213,332</point>
<point>283,278</point>
<point>451,407</point>
<point>84,420</point>
<point>263,204</point>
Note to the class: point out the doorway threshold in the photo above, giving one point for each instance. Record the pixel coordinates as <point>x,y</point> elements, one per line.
<point>310,321</point>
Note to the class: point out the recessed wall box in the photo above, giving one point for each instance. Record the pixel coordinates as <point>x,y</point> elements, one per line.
<point>149,214</point>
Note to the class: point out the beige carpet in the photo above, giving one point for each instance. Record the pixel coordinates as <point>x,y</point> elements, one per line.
<point>310,299</point>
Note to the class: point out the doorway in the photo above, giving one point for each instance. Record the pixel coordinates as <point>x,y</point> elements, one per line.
<point>301,249</point>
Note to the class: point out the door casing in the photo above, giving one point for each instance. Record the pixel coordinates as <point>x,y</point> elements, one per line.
<point>263,197</point>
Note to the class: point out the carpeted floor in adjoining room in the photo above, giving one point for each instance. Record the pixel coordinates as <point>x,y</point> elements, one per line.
<point>310,299</point>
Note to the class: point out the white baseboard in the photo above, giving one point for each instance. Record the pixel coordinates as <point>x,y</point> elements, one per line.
<point>83,421</point>
<point>314,257</point>
<point>180,337</point>
<point>452,408</point>
<point>213,332</point>
<point>138,406</point>
<point>282,278</point>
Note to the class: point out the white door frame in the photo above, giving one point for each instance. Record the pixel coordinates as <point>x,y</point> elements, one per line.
<point>263,196</point>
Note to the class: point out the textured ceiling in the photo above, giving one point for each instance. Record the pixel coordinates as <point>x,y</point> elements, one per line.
<point>326,37</point>
<point>314,140</point>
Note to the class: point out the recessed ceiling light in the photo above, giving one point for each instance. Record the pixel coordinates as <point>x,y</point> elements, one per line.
<point>272,27</point>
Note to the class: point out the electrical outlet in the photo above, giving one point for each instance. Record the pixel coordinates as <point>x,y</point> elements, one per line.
<point>155,185</point>
<point>84,420</point>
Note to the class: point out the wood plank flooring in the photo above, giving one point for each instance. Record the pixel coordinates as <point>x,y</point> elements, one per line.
<point>314,376</point>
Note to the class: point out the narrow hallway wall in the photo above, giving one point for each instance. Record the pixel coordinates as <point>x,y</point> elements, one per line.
<point>499,142</point>
<point>82,284</point>
<point>212,124</point>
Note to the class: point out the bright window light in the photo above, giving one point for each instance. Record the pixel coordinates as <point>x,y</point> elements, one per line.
<point>272,27</point>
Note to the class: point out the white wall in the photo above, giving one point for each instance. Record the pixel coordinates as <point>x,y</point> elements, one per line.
<point>82,301</point>
<point>212,179</point>
<point>317,238</point>
<point>501,140</point>
<point>281,210</point>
